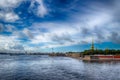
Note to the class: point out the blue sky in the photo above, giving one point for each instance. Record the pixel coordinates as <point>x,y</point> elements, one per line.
<point>65,25</point>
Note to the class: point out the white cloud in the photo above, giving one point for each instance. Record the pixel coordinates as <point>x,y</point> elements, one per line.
<point>9,3</point>
<point>100,24</point>
<point>53,32</point>
<point>62,35</point>
<point>8,16</point>
<point>10,43</point>
<point>7,13</point>
<point>41,9</point>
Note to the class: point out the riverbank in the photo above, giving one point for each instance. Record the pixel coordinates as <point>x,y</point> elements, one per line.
<point>90,57</point>
<point>101,58</point>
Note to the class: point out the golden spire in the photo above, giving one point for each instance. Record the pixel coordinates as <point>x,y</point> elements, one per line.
<point>92,46</point>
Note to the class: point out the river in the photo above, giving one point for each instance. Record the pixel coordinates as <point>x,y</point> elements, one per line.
<point>37,67</point>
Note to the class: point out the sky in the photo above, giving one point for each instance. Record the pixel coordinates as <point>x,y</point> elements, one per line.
<point>61,25</point>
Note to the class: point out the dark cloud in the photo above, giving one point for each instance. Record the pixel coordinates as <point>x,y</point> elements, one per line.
<point>28,33</point>
<point>84,42</point>
<point>85,31</point>
<point>62,38</point>
<point>24,35</point>
<point>99,33</point>
<point>115,37</point>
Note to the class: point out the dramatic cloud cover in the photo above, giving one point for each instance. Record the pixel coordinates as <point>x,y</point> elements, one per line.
<point>65,25</point>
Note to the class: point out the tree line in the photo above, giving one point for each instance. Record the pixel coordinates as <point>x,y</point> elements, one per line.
<point>101,52</point>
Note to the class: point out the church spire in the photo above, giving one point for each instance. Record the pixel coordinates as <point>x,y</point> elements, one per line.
<point>92,46</point>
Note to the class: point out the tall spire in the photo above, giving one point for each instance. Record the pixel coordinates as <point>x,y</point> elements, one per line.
<point>92,46</point>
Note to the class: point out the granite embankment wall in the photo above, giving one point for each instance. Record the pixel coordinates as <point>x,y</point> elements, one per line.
<point>101,57</point>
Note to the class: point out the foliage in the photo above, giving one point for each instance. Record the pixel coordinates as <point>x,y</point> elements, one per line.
<point>101,52</point>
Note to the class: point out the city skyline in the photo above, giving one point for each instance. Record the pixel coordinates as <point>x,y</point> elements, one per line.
<point>65,25</point>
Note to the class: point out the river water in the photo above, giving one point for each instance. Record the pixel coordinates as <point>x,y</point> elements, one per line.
<point>36,67</point>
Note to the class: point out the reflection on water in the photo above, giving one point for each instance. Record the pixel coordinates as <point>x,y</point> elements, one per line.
<point>34,67</point>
